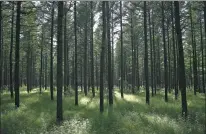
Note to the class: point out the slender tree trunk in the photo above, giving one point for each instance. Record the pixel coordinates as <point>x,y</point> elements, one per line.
<point>202,52</point>
<point>1,45</point>
<point>59,62</point>
<point>121,37</point>
<point>194,53</point>
<point>45,70</point>
<point>92,51</point>
<point>85,59</point>
<point>41,62</point>
<point>11,51</point>
<point>146,53</point>
<point>102,58</point>
<point>205,33</point>
<point>168,47</point>
<point>132,44</point>
<point>110,79</point>
<point>165,55</point>
<point>65,51</point>
<point>151,55</point>
<point>75,34</point>
<point>182,82</point>
<point>97,83</point>
<point>174,52</point>
<point>16,74</point>
<point>154,58</point>
<point>51,53</point>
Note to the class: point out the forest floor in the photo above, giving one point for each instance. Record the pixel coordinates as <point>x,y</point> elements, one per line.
<point>131,115</point>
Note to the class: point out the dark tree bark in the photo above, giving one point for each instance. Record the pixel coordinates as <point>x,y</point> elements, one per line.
<point>133,54</point>
<point>41,62</point>
<point>65,51</point>
<point>194,53</point>
<point>169,62</point>
<point>92,51</point>
<point>16,74</point>
<point>202,52</point>
<point>45,71</point>
<point>102,58</point>
<point>59,62</point>
<point>121,37</point>
<point>174,53</point>
<point>154,58</point>
<point>182,82</point>
<point>11,51</point>
<point>146,53</point>
<point>75,40</point>
<point>110,79</point>
<point>51,53</point>
<point>1,45</point>
<point>165,54</point>
<point>85,58</point>
<point>151,55</point>
<point>205,31</point>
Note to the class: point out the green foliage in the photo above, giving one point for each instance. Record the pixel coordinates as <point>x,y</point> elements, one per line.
<point>128,116</point>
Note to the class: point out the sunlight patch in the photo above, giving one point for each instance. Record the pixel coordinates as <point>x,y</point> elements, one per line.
<point>73,126</point>
<point>128,97</point>
<point>84,100</point>
<point>162,120</point>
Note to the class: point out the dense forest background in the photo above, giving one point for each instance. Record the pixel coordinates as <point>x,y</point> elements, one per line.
<point>101,48</point>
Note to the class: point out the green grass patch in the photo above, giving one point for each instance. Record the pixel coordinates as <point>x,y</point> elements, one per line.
<point>130,115</point>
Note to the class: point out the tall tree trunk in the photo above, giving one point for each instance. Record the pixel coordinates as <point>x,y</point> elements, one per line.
<point>59,62</point>
<point>75,41</point>
<point>41,62</point>
<point>1,45</point>
<point>45,70</point>
<point>154,58</point>
<point>202,52</point>
<point>110,79</point>
<point>194,52</point>
<point>51,53</point>
<point>11,51</point>
<point>165,54</point>
<point>168,47</point>
<point>205,32</point>
<point>97,77</point>
<point>102,58</point>
<point>121,37</point>
<point>146,53</point>
<point>174,53</point>
<point>151,55</point>
<point>65,50</point>
<point>182,82</point>
<point>16,74</point>
<point>132,44</point>
<point>92,51</point>
<point>85,59</point>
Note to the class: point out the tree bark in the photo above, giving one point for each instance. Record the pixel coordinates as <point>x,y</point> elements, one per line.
<point>165,54</point>
<point>51,53</point>
<point>75,62</point>
<point>182,82</point>
<point>121,38</point>
<point>16,74</point>
<point>146,53</point>
<point>11,51</point>
<point>102,58</point>
<point>59,62</point>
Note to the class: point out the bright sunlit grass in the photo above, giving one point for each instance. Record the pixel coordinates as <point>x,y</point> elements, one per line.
<point>130,115</point>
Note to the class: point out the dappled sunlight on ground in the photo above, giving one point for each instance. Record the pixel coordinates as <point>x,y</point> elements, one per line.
<point>129,115</point>
<point>84,100</point>
<point>161,120</point>
<point>128,97</point>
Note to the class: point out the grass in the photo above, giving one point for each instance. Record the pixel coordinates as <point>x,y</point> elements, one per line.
<point>37,114</point>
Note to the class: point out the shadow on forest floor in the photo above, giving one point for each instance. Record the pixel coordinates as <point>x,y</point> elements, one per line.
<point>128,115</point>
